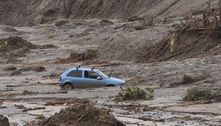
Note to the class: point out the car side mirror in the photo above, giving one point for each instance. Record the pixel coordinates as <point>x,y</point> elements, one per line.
<point>99,78</point>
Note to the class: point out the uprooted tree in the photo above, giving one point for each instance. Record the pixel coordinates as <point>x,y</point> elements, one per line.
<point>198,34</point>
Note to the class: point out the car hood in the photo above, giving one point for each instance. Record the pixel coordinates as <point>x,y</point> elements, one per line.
<point>116,80</point>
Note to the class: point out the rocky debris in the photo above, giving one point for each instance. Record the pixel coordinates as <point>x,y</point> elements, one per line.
<point>82,55</point>
<point>106,22</point>
<point>9,68</point>
<point>82,115</point>
<point>4,121</point>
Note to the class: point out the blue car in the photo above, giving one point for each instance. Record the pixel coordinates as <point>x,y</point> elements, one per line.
<point>79,77</point>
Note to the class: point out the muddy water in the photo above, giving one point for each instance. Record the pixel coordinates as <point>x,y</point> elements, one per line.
<point>166,109</point>
<point>17,115</point>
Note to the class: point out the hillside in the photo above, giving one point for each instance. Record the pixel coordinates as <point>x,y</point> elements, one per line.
<point>29,12</point>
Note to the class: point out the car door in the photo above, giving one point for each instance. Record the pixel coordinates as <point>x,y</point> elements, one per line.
<point>90,79</point>
<point>75,77</point>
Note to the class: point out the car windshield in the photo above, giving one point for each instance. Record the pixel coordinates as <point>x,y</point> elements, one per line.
<point>102,74</point>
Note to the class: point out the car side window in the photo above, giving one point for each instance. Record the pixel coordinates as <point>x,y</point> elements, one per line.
<point>75,73</point>
<point>91,74</point>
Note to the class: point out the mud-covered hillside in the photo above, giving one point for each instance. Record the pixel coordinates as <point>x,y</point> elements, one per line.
<point>167,51</point>
<point>29,12</point>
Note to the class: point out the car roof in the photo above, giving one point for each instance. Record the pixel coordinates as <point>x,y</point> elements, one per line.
<point>83,68</point>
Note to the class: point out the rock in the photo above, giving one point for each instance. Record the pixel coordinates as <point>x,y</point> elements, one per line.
<point>82,115</point>
<point>106,22</point>
<point>4,121</point>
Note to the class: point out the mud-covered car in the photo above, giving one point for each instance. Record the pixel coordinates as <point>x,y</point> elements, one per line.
<point>87,77</point>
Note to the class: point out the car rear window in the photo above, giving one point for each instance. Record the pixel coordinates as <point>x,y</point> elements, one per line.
<point>75,73</point>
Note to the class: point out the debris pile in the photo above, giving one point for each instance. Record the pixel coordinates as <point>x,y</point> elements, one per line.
<point>82,115</point>
<point>14,43</point>
<point>4,121</point>
<point>14,47</point>
<point>198,35</point>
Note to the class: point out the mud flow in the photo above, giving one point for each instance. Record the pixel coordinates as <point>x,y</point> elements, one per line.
<point>167,51</point>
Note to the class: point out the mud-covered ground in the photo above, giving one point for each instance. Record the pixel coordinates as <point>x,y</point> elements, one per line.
<point>29,89</point>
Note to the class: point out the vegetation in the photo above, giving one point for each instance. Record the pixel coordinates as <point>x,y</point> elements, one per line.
<point>196,94</point>
<point>135,93</point>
